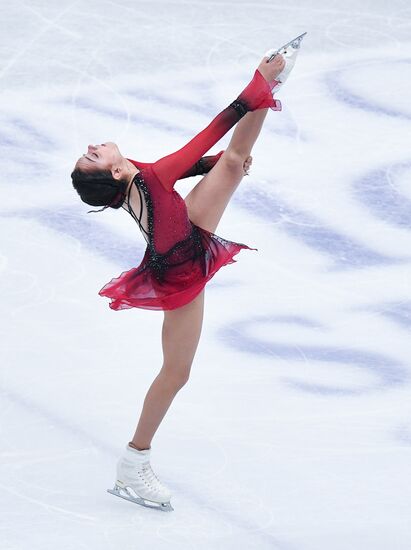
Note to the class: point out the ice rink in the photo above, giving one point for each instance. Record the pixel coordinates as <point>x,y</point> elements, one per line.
<point>294,430</point>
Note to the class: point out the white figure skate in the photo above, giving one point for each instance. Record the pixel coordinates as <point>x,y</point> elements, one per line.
<point>289,51</point>
<point>137,482</point>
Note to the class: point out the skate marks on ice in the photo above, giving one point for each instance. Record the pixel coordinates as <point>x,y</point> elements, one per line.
<point>97,239</point>
<point>224,508</point>
<point>381,192</point>
<point>339,364</point>
<point>372,86</point>
<point>91,114</point>
<point>38,469</point>
<point>344,251</point>
<point>17,135</point>
<point>385,201</point>
<point>398,312</point>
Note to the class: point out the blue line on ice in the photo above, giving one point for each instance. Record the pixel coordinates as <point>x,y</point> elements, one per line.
<point>345,252</point>
<point>93,236</point>
<point>343,94</point>
<point>375,192</point>
<point>387,370</point>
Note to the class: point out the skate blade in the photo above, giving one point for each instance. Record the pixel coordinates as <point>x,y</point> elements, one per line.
<point>119,492</point>
<point>294,43</point>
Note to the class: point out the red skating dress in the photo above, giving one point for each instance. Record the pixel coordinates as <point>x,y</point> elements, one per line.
<point>180,257</point>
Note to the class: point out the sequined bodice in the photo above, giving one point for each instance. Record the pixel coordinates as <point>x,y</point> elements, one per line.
<point>163,216</point>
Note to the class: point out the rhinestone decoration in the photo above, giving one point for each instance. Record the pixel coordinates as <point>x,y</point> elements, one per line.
<point>240,106</point>
<point>158,262</point>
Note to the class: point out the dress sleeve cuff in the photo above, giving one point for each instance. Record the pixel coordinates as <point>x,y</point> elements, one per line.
<point>277,105</point>
<point>258,94</point>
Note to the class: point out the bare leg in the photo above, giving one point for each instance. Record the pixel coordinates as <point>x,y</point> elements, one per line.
<point>207,201</point>
<point>246,133</point>
<point>180,336</point>
<point>182,327</point>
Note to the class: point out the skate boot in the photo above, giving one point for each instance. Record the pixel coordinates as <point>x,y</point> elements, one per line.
<point>289,51</point>
<point>137,482</point>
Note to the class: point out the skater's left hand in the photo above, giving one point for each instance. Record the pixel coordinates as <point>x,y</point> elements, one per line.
<point>246,166</point>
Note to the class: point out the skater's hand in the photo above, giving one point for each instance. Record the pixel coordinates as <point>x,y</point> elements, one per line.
<point>272,69</point>
<point>247,163</point>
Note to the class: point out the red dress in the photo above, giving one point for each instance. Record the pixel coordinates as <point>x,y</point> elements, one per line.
<point>180,257</point>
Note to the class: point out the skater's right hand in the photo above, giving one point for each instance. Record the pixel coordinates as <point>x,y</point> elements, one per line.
<point>272,69</point>
<point>246,165</point>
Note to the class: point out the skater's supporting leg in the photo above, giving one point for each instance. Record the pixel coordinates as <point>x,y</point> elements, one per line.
<point>182,327</point>
<point>180,336</point>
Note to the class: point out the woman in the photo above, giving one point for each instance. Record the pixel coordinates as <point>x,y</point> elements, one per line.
<point>182,253</point>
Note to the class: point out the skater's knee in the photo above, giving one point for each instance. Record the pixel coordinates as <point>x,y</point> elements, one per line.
<point>174,377</point>
<point>234,160</point>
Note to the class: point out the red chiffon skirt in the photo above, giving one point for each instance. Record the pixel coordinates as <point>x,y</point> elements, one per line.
<point>171,280</point>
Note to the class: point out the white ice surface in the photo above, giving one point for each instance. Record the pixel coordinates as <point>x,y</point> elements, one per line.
<point>294,431</point>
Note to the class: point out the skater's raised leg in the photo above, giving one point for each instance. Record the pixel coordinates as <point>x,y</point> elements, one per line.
<point>208,200</point>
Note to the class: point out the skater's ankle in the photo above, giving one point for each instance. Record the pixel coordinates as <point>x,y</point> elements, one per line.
<point>131,444</point>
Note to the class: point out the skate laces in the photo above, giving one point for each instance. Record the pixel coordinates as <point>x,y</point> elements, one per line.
<point>148,476</point>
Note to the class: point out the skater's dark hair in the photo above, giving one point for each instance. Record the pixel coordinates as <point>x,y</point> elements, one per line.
<point>99,188</point>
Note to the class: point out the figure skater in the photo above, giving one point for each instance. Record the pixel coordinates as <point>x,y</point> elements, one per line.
<point>183,253</point>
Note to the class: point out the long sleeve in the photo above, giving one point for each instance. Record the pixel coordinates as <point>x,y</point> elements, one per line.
<point>202,166</point>
<point>257,95</point>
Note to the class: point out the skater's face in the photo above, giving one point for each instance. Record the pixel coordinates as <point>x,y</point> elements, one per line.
<point>105,156</point>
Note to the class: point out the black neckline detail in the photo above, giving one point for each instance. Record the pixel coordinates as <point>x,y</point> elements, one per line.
<point>158,262</point>
<point>140,184</point>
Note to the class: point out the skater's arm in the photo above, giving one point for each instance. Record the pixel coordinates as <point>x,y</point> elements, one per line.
<point>257,95</point>
<point>202,166</point>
